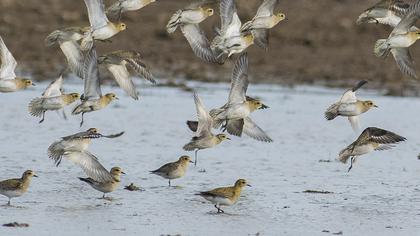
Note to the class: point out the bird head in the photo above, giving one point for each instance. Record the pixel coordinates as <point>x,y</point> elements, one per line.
<point>185,159</point>
<point>240,183</point>
<point>29,174</point>
<point>116,171</point>
<point>222,137</point>
<point>111,96</point>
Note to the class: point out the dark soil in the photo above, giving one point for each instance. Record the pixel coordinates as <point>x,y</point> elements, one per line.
<point>319,43</point>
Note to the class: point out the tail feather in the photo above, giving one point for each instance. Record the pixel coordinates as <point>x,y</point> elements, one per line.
<point>332,112</point>
<point>87,180</point>
<point>344,156</point>
<point>173,22</point>
<point>35,107</point>
<point>381,48</point>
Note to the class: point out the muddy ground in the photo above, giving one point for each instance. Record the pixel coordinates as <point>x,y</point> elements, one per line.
<point>318,44</point>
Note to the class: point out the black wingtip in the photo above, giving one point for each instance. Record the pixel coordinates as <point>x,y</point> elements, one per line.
<point>192,125</point>
<point>359,85</point>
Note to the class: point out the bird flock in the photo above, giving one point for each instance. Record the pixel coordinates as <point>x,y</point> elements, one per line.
<point>78,45</point>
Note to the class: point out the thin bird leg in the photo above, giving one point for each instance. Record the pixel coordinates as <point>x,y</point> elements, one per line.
<point>64,114</point>
<point>195,157</point>
<point>43,117</point>
<point>169,183</point>
<point>351,164</point>
<point>8,203</point>
<point>103,196</point>
<point>81,123</point>
<point>219,210</point>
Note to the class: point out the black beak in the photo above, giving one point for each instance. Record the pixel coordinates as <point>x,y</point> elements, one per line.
<point>122,172</point>
<point>263,106</point>
<point>35,176</point>
<point>248,185</point>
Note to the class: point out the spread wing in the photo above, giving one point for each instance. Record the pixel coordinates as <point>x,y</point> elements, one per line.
<point>71,49</point>
<point>122,76</point>
<point>404,61</point>
<point>239,83</point>
<point>266,8</point>
<point>54,89</point>
<point>92,88</point>
<point>199,43</point>
<point>230,22</point>
<point>408,20</point>
<point>96,12</point>
<point>8,62</point>
<point>90,165</point>
<point>377,135</point>
<point>254,131</point>
<point>205,121</point>
<point>350,95</point>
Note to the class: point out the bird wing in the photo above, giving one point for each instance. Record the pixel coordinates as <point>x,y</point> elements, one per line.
<point>10,184</point>
<point>92,87</point>
<point>90,165</point>
<point>261,37</point>
<point>96,12</point>
<point>350,95</point>
<point>377,135</point>
<point>199,42</point>
<point>55,88</point>
<point>8,62</point>
<point>254,131</point>
<point>354,122</point>
<point>266,8</point>
<point>230,22</point>
<point>239,83</point>
<point>408,20</point>
<point>71,49</point>
<point>166,168</point>
<point>225,192</point>
<point>140,68</point>
<point>204,119</point>
<point>122,76</point>
<point>404,61</point>
<point>197,4</point>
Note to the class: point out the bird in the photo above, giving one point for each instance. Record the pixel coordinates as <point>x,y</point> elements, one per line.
<point>386,12</point>
<point>92,99</point>
<point>67,39</point>
<point>350,106</point>
<point>16,187</point>
<point>188,19</point>
<point>173,170</point>
<point>225,196</point>
<point>121,6</point>
<point>74,147</point>
<point>371,139</point>
<point>400,39</point>
<point>100,27</point>
<point>230,40</point>
<point>264,20</point>
<point>9,82</point>
<point>112,181</point>
<point>117,63</point>
<point>53,98</point>
<point>203,137</point>
<point>235,113</point>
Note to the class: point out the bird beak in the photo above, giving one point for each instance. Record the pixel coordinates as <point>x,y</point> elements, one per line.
<point>122,172</point>
<point>228,138</point>
<point>35,176</point>
<point>33,84</point>
<point>263,106</point>
<point>375,106</point>
<point>117,98</point>
<point>248,185</point>
<point>190,161</point>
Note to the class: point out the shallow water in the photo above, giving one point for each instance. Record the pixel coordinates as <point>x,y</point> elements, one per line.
<point>380,196</point>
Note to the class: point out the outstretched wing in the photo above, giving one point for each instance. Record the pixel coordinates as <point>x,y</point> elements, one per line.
<point>266,8</point>
<point>96,12</point>
<point>92,88</point>
<point>205,121</point>
<point>90,165</point>
<point>239,84</point>
<point>55,88</point>
<point>8,62</point>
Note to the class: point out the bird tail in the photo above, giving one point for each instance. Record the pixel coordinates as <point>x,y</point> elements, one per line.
<point>173,22</point>
<point>53,38</point>
<point>189,146</point>
<point>381,48</point>
<point>87,180</point>
<point>193,125</point>
<point>332,112</point>
<point>87,41</point>
<point>35,107</point>
<point>55,152</point>
<point>343,156</point>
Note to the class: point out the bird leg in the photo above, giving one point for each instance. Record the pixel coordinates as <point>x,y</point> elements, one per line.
<point>195,157</point>
<point>103,196</point>
<point>8,203</point>
<point>81,123</point>
<point>169,183</point>
<point>219,210</point>
<point>43,117</point>
<point>351,163</point>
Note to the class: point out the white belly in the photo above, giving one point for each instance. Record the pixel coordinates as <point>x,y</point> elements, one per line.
<point>8,85</point>
<point>364,149</point>
<point>400,41</point>
<point>239,111</point>
<point>219,200</point>
<point>105,32</point>
<point>348,109</point>
<point>192,17</point>
<point>11,194</point>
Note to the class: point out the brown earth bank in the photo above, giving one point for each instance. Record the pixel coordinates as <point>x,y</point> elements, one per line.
<point>319,43</point>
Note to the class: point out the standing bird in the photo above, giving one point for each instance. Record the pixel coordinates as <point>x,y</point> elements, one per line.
<point>203,137</point>
<point>230,40</point>
<point>68,39</point>
<point>116,62</point>
<point>400,39</point>
<point>188,19</point>
<point>52,99</point>
<point>121,6</point>
<point>264,20</point>
<point>92,99</point>
<point>16,187</point>
<point>74,147</point>
<point>100,27</point>
<point>9,82</point>
<point>371,139</point>
<point>350,106</point>
<point>112,181</point>
<point>225,196</point>
<point>173,170</point>
<point>386,12</point>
